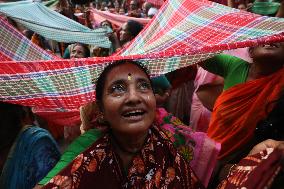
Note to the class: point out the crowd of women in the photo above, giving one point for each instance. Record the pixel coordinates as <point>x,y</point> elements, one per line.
<point>130,137</point>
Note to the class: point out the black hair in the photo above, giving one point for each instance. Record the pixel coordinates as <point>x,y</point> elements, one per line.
<point>85,47</point>
<point>134,27</point>
<point>80,2</point>
<point>10,122</point>
<point>100,83</point>
<point>29,34</point>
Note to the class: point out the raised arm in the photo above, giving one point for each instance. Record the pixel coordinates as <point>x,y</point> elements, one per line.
<point>280,12</point>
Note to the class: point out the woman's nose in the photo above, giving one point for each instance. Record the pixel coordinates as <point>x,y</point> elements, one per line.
<point>73,55</point>
<point>133,96</point>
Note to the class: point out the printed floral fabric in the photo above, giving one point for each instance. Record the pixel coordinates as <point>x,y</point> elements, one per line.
<point>175,131</point>
<point>195,147</point>
<point>161,163</point>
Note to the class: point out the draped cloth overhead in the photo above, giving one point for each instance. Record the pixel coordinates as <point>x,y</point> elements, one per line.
<point>52,25</point>
<point>189,27</point>
<point>183,33</point>
<point>15,46</point>
<point>116,19</point>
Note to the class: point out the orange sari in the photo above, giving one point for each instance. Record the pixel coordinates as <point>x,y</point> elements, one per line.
<point>238,110</point>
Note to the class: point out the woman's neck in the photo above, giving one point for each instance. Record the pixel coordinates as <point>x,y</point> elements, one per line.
<point>258,70</point>
<point>129,143</point>
<point>127,146</point>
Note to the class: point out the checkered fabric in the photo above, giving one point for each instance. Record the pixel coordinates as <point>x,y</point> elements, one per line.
<point>183,33</point>
<point>52,25</point>
<point>190,27</point>
<point>15,46</point>
<point>4,57</point>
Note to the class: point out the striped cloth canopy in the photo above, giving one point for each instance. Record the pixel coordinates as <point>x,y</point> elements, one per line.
<point>15,46</point>
<point>183,33</point>
<point>52,25</point>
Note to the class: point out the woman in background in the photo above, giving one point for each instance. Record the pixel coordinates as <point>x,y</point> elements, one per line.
<point>28,152</point>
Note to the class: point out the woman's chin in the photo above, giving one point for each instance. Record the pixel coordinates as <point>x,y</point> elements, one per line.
<point>135,129</point>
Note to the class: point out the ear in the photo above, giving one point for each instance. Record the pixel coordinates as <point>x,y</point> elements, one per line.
<point>250,52</point>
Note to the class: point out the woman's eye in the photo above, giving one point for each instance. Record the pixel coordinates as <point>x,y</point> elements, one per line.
<point>144,86</point>
<point>117,88</point>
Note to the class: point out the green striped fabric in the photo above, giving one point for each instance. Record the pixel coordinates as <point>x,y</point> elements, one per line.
<point>52,25</point>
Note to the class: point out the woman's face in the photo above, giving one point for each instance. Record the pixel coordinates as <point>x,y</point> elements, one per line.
<point>124,35</point>
<point>269,52</point>
<point>128,102</point>
<point>105,24</point>
<point>121,11</point>
<point>132,5</point>
<point>78,52</point>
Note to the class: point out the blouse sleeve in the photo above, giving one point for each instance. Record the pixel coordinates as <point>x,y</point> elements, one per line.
<point>220,64</point>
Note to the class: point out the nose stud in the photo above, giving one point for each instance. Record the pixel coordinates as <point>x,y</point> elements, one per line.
<point>129,77</point>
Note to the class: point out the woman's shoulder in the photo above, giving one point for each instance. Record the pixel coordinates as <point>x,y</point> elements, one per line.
<point>78,146</point>
<point>33,133</point>
<point>38,144</point>
<point>38,140</point>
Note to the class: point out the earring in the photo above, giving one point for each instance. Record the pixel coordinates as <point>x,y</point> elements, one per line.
<point>100,118</point>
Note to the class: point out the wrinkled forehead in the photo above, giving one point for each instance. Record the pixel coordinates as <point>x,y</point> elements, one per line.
<point>78,47</point>
<point>124,71</point>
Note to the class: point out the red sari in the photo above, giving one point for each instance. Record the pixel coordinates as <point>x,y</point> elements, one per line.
<point>238,110</point>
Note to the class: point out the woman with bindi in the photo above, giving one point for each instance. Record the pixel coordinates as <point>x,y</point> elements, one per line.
<point>133,151</point>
